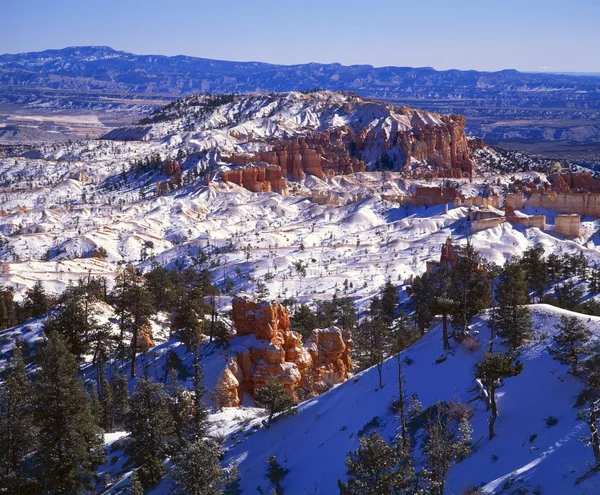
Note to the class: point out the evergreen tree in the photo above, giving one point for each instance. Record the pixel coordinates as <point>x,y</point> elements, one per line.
<point>120,400</point>
<point>276,473</point>
<point>200,411</point>
<point>149,424</point>
<point>303,321</point>
<point>377,468</point>
<point>232,481</point>
<point>274,398</point>
<point>389,302</point>
<point>36,301</point>
<point>189,317</point>
<point>345,314</point>
<point>372,340</point>
<point>493,368</point>
<point>71,446</point>
<point>134,306</point>
<point>197,469</point>
<point>423,294</point>
<point>180,405</point>
<point>469,282</point>
<point>17,426</point>
<point>512,315</point>
<point>70,320</point>
<point>536,269</point>
<point>443,447</point>
<point>570,342</point>
<point>135,486</point>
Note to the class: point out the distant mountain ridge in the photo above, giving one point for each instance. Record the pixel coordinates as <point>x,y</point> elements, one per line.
<point>500,106</point>
<point>103,67</point>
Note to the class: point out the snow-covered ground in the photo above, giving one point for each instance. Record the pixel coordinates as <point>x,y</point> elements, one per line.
<point>313,443</point>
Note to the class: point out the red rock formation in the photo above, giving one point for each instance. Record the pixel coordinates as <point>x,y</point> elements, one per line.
<point>278,352</point>
<point>257,178</point>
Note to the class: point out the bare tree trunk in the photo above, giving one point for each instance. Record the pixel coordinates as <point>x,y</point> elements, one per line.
<point>494,415</point>
<point>379,370</point>
<point>445,331</point>
<point>595,439</point>
<point>402,405</point>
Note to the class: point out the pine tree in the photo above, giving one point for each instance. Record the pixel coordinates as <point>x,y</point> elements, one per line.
<point>469,289</point>
<point>200,415</point>
<point>135,486</point>
<point>134,306</point>
<point>570,342</point>
<point>71,322</point>
<point>120,400</point>
<point>232,481</point>
<point>389,301</point>
<point>149,424</point>
<point>180,405</point>
<point>512,317</point>
<point>536,269</point>
<point>71,446</point>
<point>443,448</point>
<point>274,398</point>
<point>36,301</point>
<point>376,468</point>
<point>303,321</point>
<point>494,367</point>
<point>276,473</point>
<point>197,470</point>
<point>17,426</point>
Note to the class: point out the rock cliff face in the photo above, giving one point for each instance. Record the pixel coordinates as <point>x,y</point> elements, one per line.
<point>278,352</point>
<point>441,144</point>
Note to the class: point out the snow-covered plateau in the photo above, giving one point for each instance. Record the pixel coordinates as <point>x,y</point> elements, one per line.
<point>69,210</point>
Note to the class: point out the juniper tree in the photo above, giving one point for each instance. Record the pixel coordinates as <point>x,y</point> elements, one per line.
<point>17,426</point>
<point>71,446</point>
<point>570,342</point>
<point>376,468</point>
<point>511,317</point>
<point>274,398</point>
<point>493,368</point>
<point>150,426</point>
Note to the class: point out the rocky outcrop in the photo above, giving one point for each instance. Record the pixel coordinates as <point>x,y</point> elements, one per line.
<point>277,352</point>
<point>260,177</point>
<point>422,144</point>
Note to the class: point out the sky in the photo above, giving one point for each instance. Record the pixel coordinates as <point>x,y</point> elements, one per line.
<point>528,35</point>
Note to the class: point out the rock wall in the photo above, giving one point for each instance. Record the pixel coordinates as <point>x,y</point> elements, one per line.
<point>567,202</point>
<point>567,225</point>
<point>488,223</point>
<point>430,196</point>
<point>278,352</point>
<point>538,221</point>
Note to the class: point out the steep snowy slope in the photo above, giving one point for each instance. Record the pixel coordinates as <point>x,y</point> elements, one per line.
<point>528,453</point>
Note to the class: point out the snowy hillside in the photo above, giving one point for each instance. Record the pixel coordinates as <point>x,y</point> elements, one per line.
<point>529,452</point>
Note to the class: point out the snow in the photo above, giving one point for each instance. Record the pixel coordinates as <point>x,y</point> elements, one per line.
<point>313,443</point>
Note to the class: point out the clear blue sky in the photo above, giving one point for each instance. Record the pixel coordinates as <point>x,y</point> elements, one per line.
<point>528,35</point>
